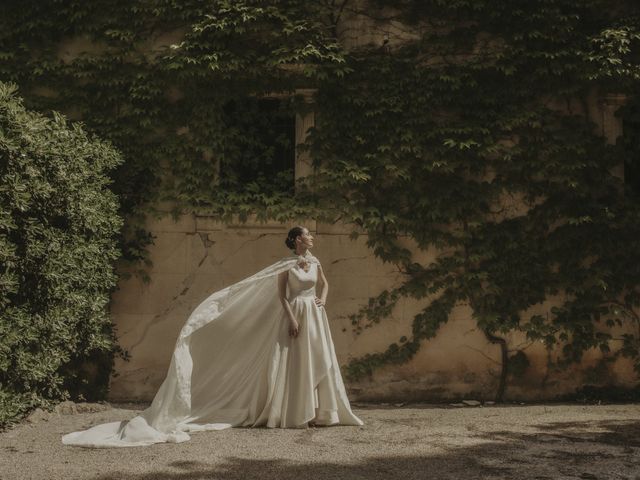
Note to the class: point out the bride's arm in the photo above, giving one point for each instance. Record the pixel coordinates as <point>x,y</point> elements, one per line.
<point>282,293</point>
<point>324,290</point>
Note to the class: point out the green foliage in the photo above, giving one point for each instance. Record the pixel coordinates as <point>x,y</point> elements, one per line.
<point>58,224</point>
<point>472,137</point>
<point>157,80</point>
<point>467,152</point>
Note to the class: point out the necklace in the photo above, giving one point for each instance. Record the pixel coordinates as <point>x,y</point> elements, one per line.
<point>303,261</point>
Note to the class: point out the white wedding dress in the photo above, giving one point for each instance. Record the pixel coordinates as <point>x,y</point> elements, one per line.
<point>235,365</point>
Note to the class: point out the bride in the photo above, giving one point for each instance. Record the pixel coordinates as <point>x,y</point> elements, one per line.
<point>256,353</point>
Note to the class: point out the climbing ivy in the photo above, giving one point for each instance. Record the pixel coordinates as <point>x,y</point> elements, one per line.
<point>438,149</point>
<point>471,135</point>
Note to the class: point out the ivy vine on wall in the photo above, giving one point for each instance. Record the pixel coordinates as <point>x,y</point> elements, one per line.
<point>436,137</point>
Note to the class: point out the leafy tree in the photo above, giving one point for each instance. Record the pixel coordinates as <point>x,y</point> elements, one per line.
<point>58,226</point>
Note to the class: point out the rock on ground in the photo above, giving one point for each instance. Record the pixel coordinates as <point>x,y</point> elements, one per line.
<point>413,442</point>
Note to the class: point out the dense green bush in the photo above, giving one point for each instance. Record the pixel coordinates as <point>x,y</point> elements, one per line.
<point>58,223</point>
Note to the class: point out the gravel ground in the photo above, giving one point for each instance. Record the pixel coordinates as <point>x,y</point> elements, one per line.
<point>408,442</point>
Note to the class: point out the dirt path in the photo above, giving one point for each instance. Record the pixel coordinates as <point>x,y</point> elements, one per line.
<point>412,442</point>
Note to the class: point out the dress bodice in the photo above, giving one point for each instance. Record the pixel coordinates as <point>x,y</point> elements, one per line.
<point>301,283</point>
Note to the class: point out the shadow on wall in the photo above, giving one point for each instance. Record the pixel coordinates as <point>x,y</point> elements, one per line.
<point>585,450</point>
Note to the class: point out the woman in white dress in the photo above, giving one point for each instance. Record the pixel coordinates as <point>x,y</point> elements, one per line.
<point>257,353</point>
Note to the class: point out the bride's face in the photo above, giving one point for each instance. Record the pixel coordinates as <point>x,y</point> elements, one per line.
<point>306,239</point>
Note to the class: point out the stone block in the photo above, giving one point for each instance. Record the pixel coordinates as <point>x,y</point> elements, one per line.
<point>126,298</point>
<point>151,298</point>
<point>206,223</point>
<point>168,253</point>
<point>338,228</point>
<point>184,223</point>
<point>129,327</point>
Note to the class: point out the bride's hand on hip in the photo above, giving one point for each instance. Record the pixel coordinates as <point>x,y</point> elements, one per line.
<point>319,302</point>
<point>294,328</point>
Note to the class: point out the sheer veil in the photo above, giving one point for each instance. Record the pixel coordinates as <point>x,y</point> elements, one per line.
<point>219,371</point>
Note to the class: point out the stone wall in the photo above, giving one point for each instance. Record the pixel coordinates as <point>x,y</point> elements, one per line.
<point>195,256</point>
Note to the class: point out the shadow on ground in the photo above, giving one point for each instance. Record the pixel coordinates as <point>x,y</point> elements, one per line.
<point>589,450</point>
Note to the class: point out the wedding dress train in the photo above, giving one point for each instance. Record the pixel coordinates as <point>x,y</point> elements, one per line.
<point>235,365</point>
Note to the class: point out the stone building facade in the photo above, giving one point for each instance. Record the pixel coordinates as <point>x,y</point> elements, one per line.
<point>194,256</point>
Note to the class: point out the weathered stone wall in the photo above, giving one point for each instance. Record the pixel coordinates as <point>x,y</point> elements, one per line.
<point>195,256</point>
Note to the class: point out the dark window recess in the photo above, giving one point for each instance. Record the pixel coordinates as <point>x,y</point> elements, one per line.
<point>630,143</point>
<point>259,152</point>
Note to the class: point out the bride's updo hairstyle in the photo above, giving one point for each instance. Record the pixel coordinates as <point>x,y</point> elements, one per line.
<point>294,233</point>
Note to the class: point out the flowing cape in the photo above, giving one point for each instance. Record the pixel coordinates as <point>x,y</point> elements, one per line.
<point>218,375</point>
